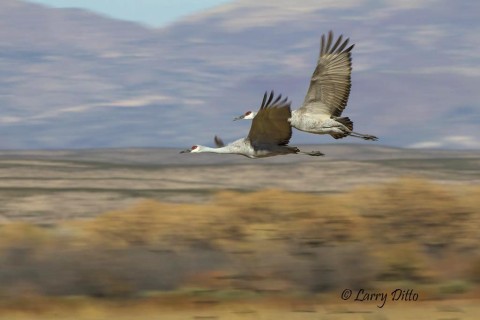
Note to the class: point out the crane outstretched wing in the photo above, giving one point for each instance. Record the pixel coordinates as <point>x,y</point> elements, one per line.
<point>331,81</point>
<point>270,126</point>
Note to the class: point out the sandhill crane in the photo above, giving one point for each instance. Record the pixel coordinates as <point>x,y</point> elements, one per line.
<point>327,95</point>
<point>269,133</point>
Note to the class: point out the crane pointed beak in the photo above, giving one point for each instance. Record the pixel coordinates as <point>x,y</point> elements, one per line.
<point>186,151</point>
<point>239,118</point>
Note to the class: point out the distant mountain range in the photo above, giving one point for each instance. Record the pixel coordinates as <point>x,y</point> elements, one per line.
<point>74,79</point>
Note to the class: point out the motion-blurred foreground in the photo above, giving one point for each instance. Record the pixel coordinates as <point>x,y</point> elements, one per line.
<point>268,246</point>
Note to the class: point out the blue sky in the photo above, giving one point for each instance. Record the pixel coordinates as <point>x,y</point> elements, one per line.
<point>154,13</point>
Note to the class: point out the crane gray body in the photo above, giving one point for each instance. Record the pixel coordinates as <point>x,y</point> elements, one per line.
<point>269,134</point>
<point>327,95</point>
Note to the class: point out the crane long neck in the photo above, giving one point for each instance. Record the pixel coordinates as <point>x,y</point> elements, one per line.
<point>225,149</point>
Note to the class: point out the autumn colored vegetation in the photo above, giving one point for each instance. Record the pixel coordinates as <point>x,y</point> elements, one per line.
<point>409,232</point>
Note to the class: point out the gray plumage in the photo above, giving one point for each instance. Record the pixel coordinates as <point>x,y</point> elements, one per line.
<point>269,133</point>
<point>328,93</point>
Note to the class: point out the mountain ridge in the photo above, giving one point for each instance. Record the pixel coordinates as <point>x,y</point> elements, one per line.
<point>92,81</point>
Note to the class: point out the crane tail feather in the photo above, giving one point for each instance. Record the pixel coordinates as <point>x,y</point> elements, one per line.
<point>346,122</point>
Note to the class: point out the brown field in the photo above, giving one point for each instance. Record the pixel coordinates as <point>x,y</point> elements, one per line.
<point>282,309</point>
<point>132,234</point>
<point>49,186</point>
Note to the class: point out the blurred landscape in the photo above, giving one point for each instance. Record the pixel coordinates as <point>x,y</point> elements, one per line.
<point>102,218</point>
<point>45,187</point>
<point>89,232</point>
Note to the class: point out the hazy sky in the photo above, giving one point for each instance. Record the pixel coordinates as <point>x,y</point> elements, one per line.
<point>409,87</point>
<point>155,13</point>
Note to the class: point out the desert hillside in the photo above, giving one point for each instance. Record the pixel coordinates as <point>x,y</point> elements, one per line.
<point>217,236</point>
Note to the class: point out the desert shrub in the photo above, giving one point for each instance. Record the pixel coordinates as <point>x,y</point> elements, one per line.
<point>155,224</point>
<point>46,261</point>
<point>24,235</point>
<point>332,224</point>
<point>402,262</point>
<point>325,269</point>
<point>474,272</point>
<point>414,210</point>
<point>267,240</point>
<point>106,273</point>
<point>454,287</point>
<point>267,206</point>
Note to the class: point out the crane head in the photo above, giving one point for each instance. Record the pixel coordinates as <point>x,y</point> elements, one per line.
<point>193,149</point>
<point>246,116</point>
